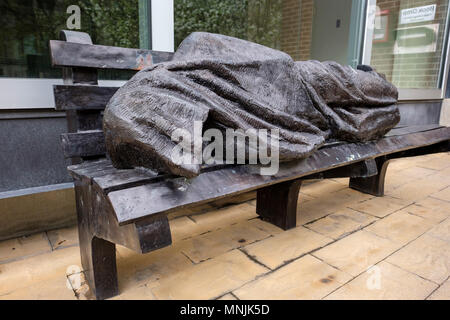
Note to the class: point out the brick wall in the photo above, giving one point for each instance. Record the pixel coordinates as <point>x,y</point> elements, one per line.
<point>296,29</point>
<point>306,29</point>
<point>420,70</point>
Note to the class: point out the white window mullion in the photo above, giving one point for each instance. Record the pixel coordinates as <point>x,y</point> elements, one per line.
<point>162,25</point>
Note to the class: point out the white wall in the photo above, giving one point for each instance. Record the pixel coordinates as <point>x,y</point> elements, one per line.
<point>19,93</point>
<point>162,25</point>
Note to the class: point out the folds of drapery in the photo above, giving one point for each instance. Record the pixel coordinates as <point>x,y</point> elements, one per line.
<point>224,82</point>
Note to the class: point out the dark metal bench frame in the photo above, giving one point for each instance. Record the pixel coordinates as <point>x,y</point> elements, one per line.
<point>130,207</point>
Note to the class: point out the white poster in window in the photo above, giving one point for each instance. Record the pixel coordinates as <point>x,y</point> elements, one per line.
<point>418,14</point>
<point>381,26</point>
<point>420,39</point>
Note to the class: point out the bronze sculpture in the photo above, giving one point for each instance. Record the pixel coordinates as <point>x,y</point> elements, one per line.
<point>224,82</point>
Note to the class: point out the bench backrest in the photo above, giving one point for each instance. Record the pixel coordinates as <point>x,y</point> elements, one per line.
<point>81,97</point>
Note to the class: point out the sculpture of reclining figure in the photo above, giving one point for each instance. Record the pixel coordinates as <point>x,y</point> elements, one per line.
<point>224,82</point>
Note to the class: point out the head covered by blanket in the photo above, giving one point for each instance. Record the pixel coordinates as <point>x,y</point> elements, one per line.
<point>226,82</point>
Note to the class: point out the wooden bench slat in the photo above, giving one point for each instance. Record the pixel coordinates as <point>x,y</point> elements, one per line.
<point>165,196</point>
<point>106,179</point>
<point>362,169</point>
<point>397,131</point>
<point>69,54</point>
<point>411,129</point>
<point>123,179</point>
<point>89,168</point>
<point>82,97</point>
<point>83,144</point>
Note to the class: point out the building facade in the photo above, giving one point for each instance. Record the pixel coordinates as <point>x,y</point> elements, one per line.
<point>407,40</point>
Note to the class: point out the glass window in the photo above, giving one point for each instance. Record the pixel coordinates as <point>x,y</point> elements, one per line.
<point>28,25</point>
<point>254,20</point>
<point>408,42</point>
<point>305,29</point>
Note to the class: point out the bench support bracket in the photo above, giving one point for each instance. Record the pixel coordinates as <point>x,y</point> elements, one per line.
<point>277,204</point>
<point>373,185</point>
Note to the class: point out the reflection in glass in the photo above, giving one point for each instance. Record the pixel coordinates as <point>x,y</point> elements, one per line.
<point>408,41</point>
<point>255,20</point>
<point>28,25</point>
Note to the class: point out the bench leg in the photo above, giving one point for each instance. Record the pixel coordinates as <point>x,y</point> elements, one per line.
<point>372,185</point>
<point>98,256</point>
<point>277,204</point>
<point>102,272</point>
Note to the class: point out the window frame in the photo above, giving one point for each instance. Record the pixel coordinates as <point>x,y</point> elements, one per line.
<point>40,95</point>
<point>37,93</point>
<point>409,94</point>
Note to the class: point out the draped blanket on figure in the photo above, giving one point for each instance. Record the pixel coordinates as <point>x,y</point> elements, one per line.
<point>226,82</point>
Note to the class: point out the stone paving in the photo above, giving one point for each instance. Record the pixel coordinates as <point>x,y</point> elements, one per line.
<point>347,245</point>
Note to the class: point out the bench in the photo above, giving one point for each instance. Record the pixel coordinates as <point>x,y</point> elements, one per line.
<point>130,207</point>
